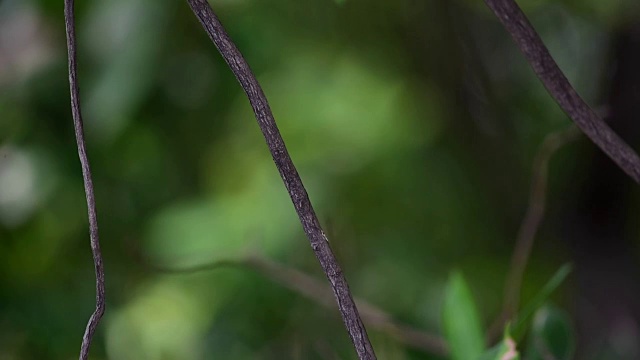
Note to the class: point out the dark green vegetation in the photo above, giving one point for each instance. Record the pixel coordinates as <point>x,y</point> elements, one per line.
<point>414,126</point>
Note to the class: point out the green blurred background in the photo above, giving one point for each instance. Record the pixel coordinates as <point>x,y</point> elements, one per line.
<point>413,124</point>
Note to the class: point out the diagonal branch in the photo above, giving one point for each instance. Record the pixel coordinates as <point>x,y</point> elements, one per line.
<point>309,287</point>
<point>289,174</point>
<point>375,317</point>
<point>561,90</point>
<point>88,183</point>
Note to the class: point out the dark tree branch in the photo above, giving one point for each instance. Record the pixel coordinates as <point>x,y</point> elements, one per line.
<point>561,90</point>
<point>289,174</point>
<point>88,183</point>
<point>529,226</point>
<point>311,288</point>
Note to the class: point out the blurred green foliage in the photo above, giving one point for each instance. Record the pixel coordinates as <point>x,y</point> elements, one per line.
<point>461,321</point>
<point>551,335</point>
<point>412,123</point>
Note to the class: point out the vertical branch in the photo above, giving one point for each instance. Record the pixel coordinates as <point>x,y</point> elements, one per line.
<point>535,212</point>
<point>289,174</point>
<point>561,90</point>
<point>530,224</point>
<point>88,183</point>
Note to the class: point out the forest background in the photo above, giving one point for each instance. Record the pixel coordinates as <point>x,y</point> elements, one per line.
<point>414,124</point>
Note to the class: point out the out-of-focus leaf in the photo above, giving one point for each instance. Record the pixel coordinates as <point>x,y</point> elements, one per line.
<point>194,232</point>
<point>552,336</point>
<point>356,114</point>
<point>163,320</point>
<point>461,322</point>
<point>130,51</point>
<point>505,350</point>
<point>540,298</point>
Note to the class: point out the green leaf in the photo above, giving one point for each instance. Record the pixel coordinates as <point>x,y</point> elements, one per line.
<point>505,350</point>
<point>524,315</point>
<point>461,322</point>
<point>552,336</point>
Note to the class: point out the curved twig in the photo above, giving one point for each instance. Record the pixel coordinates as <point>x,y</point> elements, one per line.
<point>530,224</point>
<point>309,287</point>
<point>536,53</point>
<point>289,174</point>
<point>88,183</point>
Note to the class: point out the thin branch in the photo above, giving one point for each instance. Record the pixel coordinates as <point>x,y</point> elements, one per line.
<point>530,224</point>
<point>289,174</point>
<point>315,290</point>
<point>561,90</point>
<point>88,183</point>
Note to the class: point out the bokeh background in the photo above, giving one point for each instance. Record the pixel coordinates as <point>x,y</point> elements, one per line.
<point>414,125</point>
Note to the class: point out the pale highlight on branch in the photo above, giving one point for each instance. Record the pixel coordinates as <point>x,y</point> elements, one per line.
<point>561,90</point>
<point>289,174</point>
<point>88,183</point>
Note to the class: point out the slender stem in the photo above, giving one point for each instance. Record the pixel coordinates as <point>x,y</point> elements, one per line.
<point>88,183</point>
<point>561,90</point>
<point>289,174</point>
<point>530,224</point>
